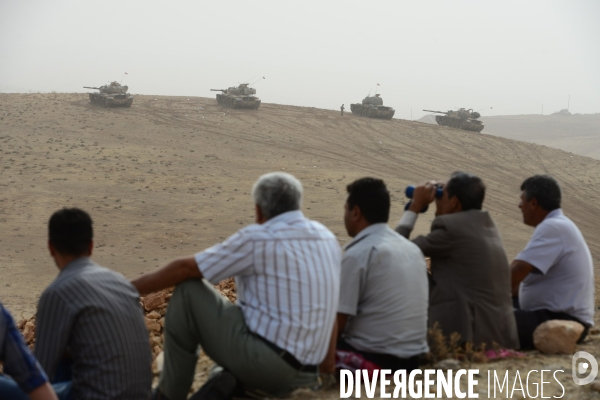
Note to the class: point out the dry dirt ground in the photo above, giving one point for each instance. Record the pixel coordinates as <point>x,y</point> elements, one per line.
<point>576,133</point>
<point>172,175</point>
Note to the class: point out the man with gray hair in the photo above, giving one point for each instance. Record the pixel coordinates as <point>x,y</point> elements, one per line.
<point>287,271</point>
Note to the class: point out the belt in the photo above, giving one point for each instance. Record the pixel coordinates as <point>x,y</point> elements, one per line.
<point>290,359</point>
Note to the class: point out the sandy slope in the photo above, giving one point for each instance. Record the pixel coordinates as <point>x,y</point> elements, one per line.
<point>172,175</point>
<point>579,134</point>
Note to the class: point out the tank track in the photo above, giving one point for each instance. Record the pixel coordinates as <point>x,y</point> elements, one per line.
<point>367,112</point>
<point>104,102</point>
<point>229,102</point>
<point>465,125</point>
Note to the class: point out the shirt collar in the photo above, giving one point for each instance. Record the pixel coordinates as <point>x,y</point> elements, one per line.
<point>554,213</point>
<point>78,262</point>
<point>365,232</point>
<point>286,217</point>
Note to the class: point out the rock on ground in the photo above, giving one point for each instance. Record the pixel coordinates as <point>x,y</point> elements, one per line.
<point>557,337</point>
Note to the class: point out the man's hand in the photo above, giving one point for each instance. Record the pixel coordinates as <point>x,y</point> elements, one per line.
<point>171,274</point>
<point>43,392</point>
<point>518,271</point>
<point>423,195</point>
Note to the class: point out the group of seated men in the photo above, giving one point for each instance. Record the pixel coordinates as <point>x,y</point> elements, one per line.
<point>300,299</point>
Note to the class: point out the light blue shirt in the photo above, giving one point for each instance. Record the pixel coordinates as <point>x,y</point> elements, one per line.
<point>564,280</point>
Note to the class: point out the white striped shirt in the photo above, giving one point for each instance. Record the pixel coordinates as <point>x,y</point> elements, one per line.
<point>287,274</point>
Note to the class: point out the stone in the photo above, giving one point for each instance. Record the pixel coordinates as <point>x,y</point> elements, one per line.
<point>448,363</point>
<point>152,325</point>
<point>153,315</point>
<point>161,322</point>
<point>28,336</point>
<point>154,301</point>
<point>159,363</point>
<point>155,341</point>
<point>557,336</point>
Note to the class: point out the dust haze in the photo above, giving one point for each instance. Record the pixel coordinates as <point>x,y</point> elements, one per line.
<point>502,58</point>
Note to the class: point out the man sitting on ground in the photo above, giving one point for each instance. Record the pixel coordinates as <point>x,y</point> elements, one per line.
<point>90,318</point>
<point>382,313</point>
<point>287,277</point>
<point>553,276</point>
<point>23,378</point>
<point>470,277</point>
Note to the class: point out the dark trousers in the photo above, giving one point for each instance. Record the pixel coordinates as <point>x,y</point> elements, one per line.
<point>528,321</point>
<point>385,361</point>
<point>61,384</point>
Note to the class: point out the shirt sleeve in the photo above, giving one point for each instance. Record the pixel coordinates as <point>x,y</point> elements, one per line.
<point>544,248</point>
<point>18,361</point>
<point>351,285</point>
<point>54,324</point>
<point>232,257</point>
<point>407,223</point>
<point>438,243</point>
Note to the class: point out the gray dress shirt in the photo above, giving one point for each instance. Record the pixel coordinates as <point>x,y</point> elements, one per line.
<point>93,315</point>
<point>385,292</point>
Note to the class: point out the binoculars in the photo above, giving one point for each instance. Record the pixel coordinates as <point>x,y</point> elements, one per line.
<point>410,190</point>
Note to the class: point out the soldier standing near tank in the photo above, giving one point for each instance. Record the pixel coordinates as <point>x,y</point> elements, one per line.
<point>342,109</point>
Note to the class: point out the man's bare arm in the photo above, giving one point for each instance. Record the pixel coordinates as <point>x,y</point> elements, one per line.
<point>171,274</point>
<point>43,392</point>
<point>518,271</point>
<point>328,364</point>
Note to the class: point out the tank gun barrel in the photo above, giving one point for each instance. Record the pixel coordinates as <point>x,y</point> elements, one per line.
<point>441,112</point>
<point>218,90</point>
<point>89,87</point>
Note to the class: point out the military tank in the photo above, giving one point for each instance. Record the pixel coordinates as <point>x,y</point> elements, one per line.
<point>372,107</point>
<point>460,119</point>
<point>111,95</point>
<point>240,96</point>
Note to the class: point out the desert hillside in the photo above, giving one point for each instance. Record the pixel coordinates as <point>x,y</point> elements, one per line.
<point>172,175</point>
<point>577,133</point>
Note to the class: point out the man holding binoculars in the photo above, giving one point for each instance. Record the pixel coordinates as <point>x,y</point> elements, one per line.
<point>470,275</point>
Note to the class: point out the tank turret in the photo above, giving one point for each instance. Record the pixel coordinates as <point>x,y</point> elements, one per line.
<point>372,107</point>
<point>241,96</point>
<point>461,119</point>
<point>373,100</point>
<point>111,95</point>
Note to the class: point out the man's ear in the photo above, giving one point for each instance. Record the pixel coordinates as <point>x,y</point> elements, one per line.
<point>533,203</point>
<point>455,204</point>
<point>356,213</point>
<point>51,248</point>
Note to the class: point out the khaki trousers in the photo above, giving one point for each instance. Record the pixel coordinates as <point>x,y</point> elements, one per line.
<point>199,316</point>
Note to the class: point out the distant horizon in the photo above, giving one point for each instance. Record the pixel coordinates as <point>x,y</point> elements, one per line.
<point>514,56</point>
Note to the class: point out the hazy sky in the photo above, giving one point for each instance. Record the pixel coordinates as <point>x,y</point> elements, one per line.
<point>513,56</point>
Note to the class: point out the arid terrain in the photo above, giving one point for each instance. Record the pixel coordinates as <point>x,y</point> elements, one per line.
<point>171,176</point>
<point>577,133</point>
